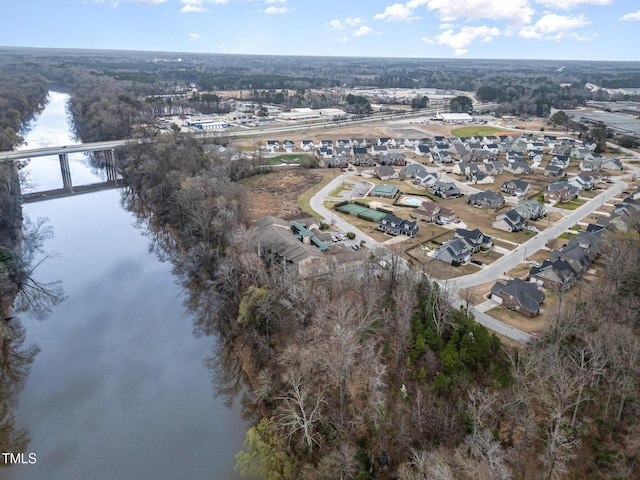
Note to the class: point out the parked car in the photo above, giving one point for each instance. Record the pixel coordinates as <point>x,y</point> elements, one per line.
<point>475,262</point>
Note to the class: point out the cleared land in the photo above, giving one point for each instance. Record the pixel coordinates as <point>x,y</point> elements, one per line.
<point>478,130</point>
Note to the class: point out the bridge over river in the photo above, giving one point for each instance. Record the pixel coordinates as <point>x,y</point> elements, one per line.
<point>104,149</point>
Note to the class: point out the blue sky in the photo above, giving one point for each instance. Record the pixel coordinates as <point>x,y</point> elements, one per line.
<point>541,29</point>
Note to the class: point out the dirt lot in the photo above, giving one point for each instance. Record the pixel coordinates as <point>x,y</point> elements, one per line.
<point>277,193</point>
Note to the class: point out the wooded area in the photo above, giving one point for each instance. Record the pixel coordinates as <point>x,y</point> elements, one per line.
<point>370,373</point>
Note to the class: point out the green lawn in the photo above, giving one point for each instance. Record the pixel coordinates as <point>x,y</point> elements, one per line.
<point>572,205</point>
<point>477,130</point>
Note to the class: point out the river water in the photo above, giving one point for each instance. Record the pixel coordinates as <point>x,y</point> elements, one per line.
<point>120,388</point>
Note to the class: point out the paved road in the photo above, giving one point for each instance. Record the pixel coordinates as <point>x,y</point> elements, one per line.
<point>58,150</point>
<point>317,205</point>
<point>505,263</point>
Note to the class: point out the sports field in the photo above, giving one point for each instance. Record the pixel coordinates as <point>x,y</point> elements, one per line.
<point>362,212</point>
<point>478,130</point>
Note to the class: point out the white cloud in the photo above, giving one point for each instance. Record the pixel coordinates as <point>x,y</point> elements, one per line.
<point>398,12</point>
<point>335,24</point>
<point>354,22</point>
<point>518,12</point>
<point>569,4</point>
<point>271,2</point>
<point>556,27</point>
<point>629,17</point>
<point>363,30</point>
<point>461,40</point>
<point>197,6</point>
<point>276,10</point>
<point>194,37</point>
<point>115,3</point>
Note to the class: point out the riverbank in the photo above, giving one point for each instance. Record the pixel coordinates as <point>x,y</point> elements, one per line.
<point>10,236</point>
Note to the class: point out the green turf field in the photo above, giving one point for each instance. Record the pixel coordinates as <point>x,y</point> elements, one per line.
<point>477,130</point>
<point>353,209</point>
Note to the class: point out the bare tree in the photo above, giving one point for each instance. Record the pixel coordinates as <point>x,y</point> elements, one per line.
<point>298,412</point>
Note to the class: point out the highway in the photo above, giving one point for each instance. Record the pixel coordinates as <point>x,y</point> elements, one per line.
<point>60,150</point>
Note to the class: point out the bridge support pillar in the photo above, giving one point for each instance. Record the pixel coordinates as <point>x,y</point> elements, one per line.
<point>65,171</point>
<point>110,165</point>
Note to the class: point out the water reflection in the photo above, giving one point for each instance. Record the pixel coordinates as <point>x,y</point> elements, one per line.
<point>205,304</point>
<point>15,364</point>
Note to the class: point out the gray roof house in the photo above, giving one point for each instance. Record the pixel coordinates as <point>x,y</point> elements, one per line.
<point>510,221</point>
<point>518,188</point>
<point>518,295</point>
<point>397,226</point>
<point>558,275</point>
<point>531,209</point>
<point>486,199</point>
<point>475,239</point>
<point>445,189</point>
<point>455,250</point>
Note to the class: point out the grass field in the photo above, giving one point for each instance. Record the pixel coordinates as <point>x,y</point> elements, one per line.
<point>477,130</point>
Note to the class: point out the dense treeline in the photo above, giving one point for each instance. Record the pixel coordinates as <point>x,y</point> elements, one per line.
<point>21,97</point>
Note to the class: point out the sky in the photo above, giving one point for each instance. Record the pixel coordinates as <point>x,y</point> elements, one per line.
<point>519,29</point>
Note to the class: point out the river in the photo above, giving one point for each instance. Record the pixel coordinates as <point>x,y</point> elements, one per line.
<point>120,388</point>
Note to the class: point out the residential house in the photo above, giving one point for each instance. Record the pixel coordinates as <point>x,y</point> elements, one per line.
<point>577,257</point>
<point>273,145</point>
<point>459,152</point>
<point>589,241</point>
<point>455,250</point>
<point>518,295</point>
<point>422,151</point>
<point>386,141</point>
<point>483,156</point>
<point>426,179</point>
<point>324,152</point>
<point>397,226</point>
<point>463,169</point>
<point>562,161</point>
<point>535,156</point>
<point>582,181</point>
<point>611,163</point>
<point>475,239</point>
<point>512,156</point>
<point>307,145</point>
<point>339,161</point>
<point>445,189</point>
<point>427,212</point>
<point>359,142</point>
<point>481,178</point>
<point>385,172</point>
<point>554,171</point>
<point>518,168</point>
<point>561,150</point>
<point>379,150</point>
<point>289,146</point>
<point>486,199</point>
<point>342,143</point>
<point>580,152</point>
<point>492,167</point>
<point>393,158</point>
<point>411,170</point>
<point>592,162</point>
<point>517,188</point>
<point>510,221</point>
<point>326,143</point>
<point>559,275</point>
<point>446,215</point>
<point>560,192</point>
<point>531,209</point>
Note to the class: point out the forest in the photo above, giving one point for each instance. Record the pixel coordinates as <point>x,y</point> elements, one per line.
<point>366,374</point>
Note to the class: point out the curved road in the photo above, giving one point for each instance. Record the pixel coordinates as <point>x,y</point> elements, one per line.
<point>496,269</point>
